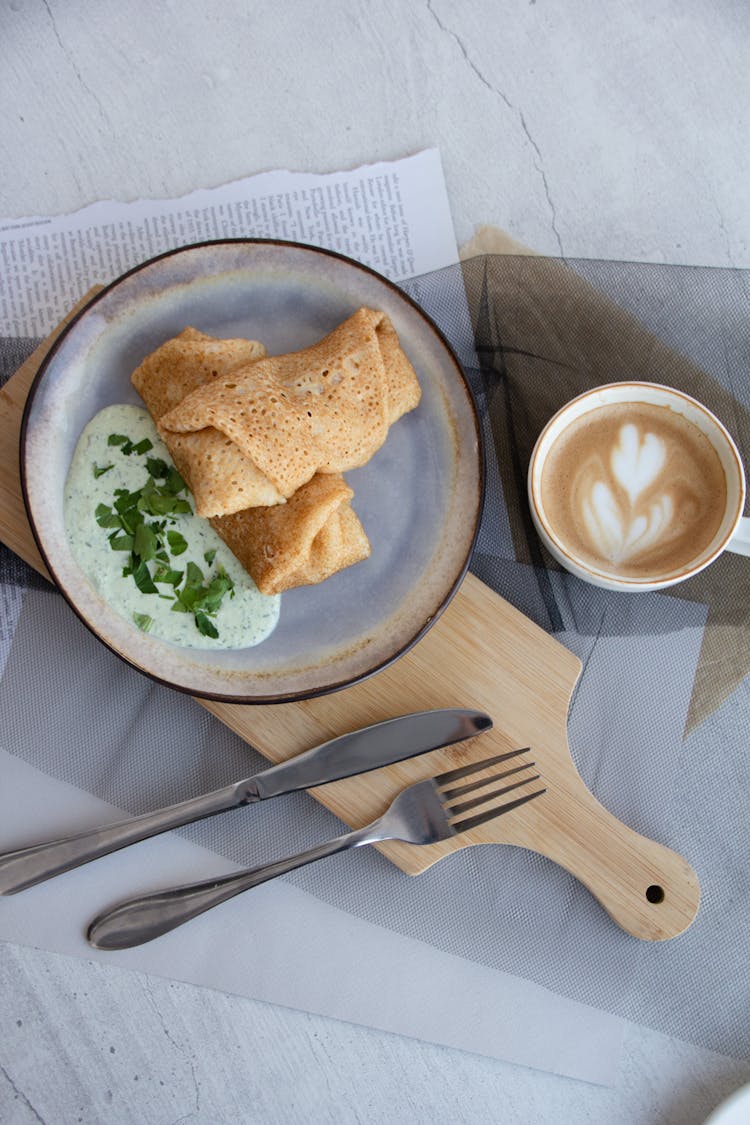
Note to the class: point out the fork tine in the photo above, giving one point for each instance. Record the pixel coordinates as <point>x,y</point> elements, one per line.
<point>482,818</point>
<point>449,794</point>
<point>464,806</point>
<point>475,767</point>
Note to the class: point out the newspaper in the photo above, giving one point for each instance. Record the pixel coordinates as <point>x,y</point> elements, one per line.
<point>393,217</point>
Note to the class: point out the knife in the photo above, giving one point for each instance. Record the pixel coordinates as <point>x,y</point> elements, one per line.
<point>358,752</point>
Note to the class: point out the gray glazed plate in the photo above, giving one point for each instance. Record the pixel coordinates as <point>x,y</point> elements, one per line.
<point>419,498</point>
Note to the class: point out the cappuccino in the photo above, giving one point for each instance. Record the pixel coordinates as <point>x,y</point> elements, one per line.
<point>633,490</point>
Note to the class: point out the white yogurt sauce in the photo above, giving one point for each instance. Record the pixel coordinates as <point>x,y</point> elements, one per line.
<point>242,621</point>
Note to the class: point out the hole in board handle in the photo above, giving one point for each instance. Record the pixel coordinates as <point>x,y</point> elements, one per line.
<point>655,893</point>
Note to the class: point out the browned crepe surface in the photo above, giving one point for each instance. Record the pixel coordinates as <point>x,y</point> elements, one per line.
<point>324,409</point>
<point>313,535</point>
<point>167,376</point>
<point>300,542</point>
<point>186,362</point>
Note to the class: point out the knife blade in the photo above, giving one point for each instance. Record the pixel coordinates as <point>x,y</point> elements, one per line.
<point>368,749</point>
<point>360,751</point>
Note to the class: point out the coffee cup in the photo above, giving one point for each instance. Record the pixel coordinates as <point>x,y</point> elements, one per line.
<point>637,486</point>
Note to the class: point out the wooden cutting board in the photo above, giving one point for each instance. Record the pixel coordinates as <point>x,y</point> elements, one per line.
<point>481,653</point>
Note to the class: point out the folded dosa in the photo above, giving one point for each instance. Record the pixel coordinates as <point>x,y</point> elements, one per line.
<point>324,409</point>
<point>300,542</point>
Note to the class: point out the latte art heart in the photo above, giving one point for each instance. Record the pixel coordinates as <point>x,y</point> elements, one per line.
<point>618,527</point>
<point>637,460</point>
<point>633,490</point>
<point>618,535</point>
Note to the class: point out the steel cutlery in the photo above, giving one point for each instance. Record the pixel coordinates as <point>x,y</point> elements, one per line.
<point>423,813</point>
<point>360,751</point>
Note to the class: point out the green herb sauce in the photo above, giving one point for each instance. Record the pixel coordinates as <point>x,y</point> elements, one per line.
<point>132,529</point>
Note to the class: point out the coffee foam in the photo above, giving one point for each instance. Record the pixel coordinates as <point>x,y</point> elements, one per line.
<point>633,490</point>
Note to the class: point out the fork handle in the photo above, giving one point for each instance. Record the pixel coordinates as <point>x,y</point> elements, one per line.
<point>142,919</point>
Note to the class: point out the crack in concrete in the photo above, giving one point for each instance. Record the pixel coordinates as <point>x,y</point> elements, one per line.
<point>182,1050</point>
<point>722,226</point>
<point>20,1094</point>
<point>84,85</point>
<point>538,159</point>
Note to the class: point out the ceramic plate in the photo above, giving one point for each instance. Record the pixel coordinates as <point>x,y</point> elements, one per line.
<point>419,498</point>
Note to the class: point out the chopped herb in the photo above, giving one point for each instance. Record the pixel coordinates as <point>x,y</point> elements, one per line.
<point>119,542</point>
<point>105,517</point>
<point>126,501</point>
<point>193,575</point>
<point>145,543</point>
<point>143,580</point>
<point>205,626</point>
<point>100,470</point>
<point>177,542</point>
<point>166,574</point>
<point>174,483</point>
<point>127,446</point>
<point>211,596</point>
<point>157,468</point>
<point>187,597</point>
<point>140,520</point>
<point>130,519</point>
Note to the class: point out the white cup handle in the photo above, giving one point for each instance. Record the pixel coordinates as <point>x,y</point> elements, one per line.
<point>740,541</point>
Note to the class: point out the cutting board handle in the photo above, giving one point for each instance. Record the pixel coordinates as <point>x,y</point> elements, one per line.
<point>650,891</point>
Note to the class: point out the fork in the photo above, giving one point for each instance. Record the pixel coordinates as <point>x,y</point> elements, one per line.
<point>424,813</point>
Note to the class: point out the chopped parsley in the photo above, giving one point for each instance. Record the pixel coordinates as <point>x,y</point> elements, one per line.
<point>138,523</point>
<point>177,542</point>
<point>127,446</point>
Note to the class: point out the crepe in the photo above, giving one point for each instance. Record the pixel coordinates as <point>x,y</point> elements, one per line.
<point>296,543</point>
<point>166,377</point>
<point>324,409</point>
<point>313,535</point>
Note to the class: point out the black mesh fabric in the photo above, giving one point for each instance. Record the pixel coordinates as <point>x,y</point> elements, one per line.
<point>545,331</point>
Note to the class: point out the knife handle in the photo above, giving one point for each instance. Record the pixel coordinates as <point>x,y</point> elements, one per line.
<point>25,867</point>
